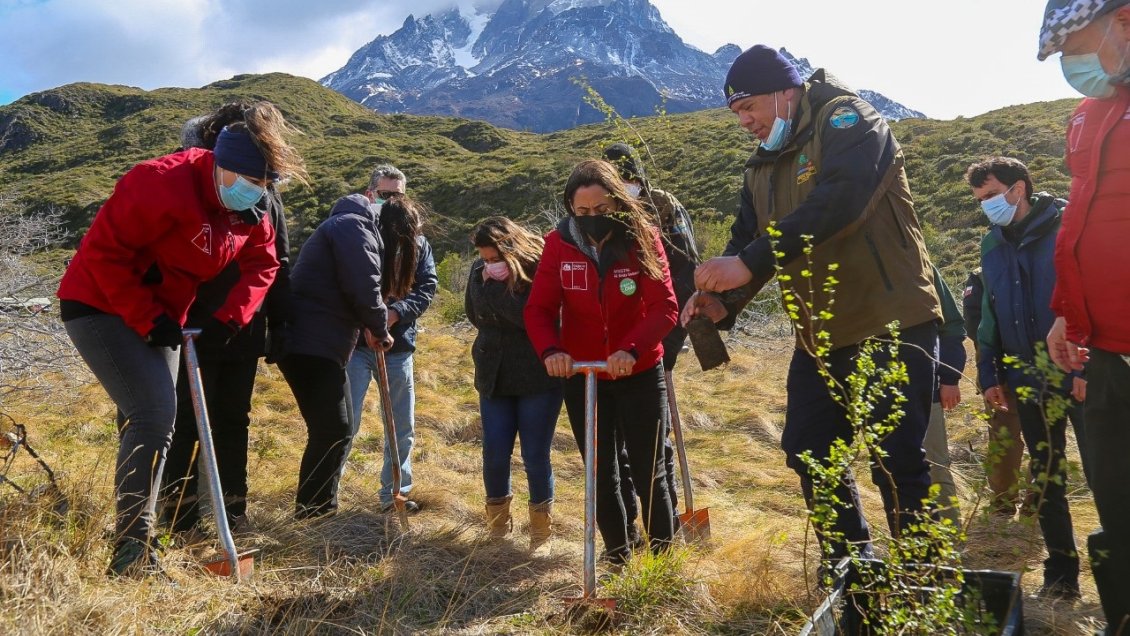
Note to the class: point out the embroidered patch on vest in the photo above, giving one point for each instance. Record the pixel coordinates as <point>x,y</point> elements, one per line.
<point>844,117</point>
<point>203,240</point>
<point>1075,134</point>
<point>575,276</point>
<point>805,169</point>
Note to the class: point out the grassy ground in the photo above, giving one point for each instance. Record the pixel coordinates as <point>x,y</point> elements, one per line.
<point>356,573</point>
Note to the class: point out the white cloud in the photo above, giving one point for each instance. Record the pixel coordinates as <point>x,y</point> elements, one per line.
<point>960,57</point>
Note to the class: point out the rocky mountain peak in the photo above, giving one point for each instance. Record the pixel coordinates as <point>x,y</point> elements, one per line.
<point>520,66</point>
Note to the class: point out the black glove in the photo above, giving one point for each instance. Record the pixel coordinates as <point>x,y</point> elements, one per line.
<point>165,333</point>
<point>276,340</point>
<point>215,334</point>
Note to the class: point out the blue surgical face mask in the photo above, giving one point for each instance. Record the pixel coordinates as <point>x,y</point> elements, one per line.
<point>779,133</point>
<point>999,210</point>
<point>1086,74</point>
<point>241,195</point>
<point>378,202</point>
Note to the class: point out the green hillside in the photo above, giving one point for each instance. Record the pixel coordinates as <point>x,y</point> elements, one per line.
<point>65,147</point>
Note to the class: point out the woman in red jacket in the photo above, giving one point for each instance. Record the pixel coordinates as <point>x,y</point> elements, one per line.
<point>171,223</point>
<point>605,274</point>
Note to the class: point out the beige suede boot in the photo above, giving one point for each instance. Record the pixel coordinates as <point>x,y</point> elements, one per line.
<point>498,517</point>
<point>541,520</point>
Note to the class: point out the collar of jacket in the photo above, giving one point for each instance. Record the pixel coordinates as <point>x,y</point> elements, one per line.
<point>1044,217</point>
<point>571,235</point>
<point>206,178</point>
<point>821,88</point>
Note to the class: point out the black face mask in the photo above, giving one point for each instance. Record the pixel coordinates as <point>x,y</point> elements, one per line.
<point>598,227</point>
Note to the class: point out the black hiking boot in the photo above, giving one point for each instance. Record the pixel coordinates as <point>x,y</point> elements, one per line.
<point>135,559</point>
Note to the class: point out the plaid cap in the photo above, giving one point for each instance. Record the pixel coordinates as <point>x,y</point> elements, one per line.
<point>1064,17</point>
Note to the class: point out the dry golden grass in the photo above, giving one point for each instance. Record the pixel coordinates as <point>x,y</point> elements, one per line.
<point>357,574</point>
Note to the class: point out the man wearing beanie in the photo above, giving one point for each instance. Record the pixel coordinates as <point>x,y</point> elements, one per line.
<point>829,173</point>
<point>1092,269</point>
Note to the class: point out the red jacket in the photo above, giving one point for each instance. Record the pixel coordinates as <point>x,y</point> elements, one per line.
<point>165,213</point>
<point>623,310</point>
<point>1092,258</point>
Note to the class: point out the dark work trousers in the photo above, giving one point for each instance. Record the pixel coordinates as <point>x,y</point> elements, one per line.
<point>228,384</point>
<point>1046,442</point>
<point>141,381</point>
<point>632,410</point>
<point>321,389</point>
<point>814,420</point>
<point>672,346</point>
<point>1107,413</point>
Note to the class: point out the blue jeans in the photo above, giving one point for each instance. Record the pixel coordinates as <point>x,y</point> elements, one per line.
<point>141,380</point>
<point>533,418</point>
<point>362,368</point>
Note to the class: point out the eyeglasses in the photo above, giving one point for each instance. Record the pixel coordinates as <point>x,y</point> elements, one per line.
<point>387,194</point>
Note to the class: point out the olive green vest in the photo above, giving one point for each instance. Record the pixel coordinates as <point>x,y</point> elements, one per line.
<point>884,274</point>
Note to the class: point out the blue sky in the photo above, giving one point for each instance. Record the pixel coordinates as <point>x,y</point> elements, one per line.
<point>959,57</point>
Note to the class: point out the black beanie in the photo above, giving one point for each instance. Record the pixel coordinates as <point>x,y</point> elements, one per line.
<point>236,151</point>
<point>627,163</point>
<point>759,70</point>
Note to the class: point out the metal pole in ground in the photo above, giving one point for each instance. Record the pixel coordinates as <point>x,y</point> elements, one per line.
<point>208,452</point>
<point>590,369</point>
<point>390,437</point>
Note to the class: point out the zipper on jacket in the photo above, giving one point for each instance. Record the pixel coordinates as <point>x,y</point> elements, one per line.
<point>603,316</point>
<point>878,261</point>
<point>900,229</point>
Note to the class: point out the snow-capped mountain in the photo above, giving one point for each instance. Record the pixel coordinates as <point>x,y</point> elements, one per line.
<point>524,65</point>
<point>890,108</point>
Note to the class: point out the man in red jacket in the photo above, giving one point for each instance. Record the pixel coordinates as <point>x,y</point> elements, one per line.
<point>1092,294</point>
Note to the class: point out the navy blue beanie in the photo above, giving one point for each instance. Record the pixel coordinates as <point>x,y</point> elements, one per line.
<point>759,70</point>
<point>236,151</point>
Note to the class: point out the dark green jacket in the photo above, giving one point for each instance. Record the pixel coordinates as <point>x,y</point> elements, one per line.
<point>840,180</point>
<point>951,335</point>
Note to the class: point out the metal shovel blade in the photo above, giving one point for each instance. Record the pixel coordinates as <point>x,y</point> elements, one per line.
<point>222,566</point>
<point>694,524</point>
<point>707,343</point>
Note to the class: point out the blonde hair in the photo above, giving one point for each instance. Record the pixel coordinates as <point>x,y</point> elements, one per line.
<point>519,247</point>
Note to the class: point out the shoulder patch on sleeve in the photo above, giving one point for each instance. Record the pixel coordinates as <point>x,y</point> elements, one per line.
<point>844,117</point>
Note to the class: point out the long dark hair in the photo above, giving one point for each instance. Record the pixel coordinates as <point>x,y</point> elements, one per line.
<point>640,227</point>
<point>519,247</point>
<point>401,219</point>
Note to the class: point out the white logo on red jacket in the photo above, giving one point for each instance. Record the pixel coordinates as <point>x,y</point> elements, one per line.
<point>1075,135</point>
<point>575,276</point>
<point>203,240</point>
